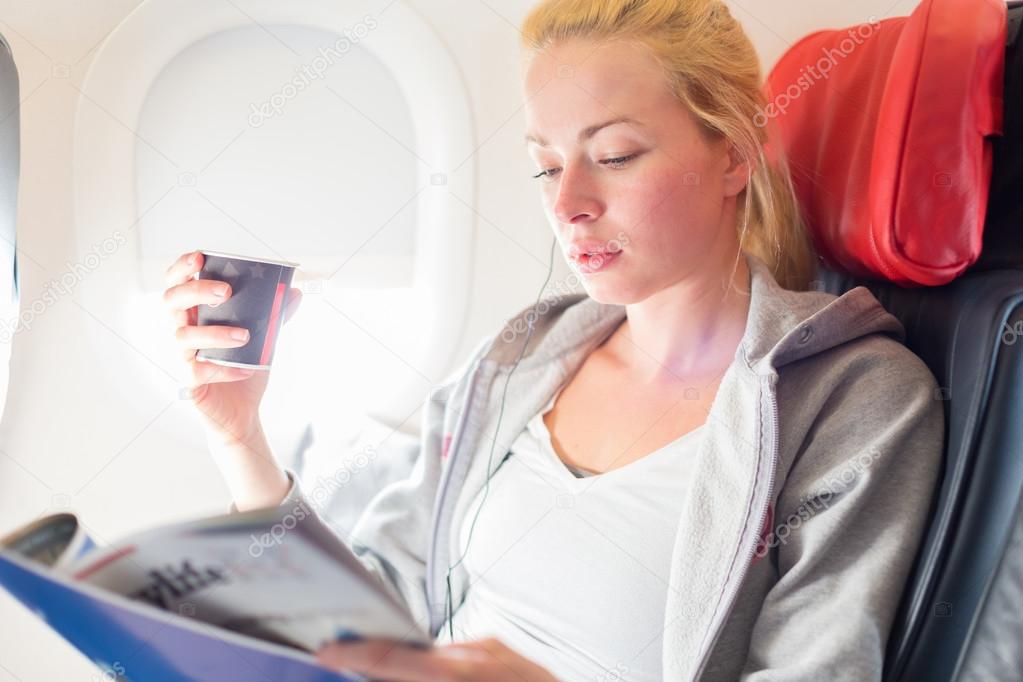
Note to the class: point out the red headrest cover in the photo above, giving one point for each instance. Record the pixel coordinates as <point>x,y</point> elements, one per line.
<point>884,128</point>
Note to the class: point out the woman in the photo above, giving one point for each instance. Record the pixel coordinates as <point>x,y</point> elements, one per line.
<point>710,473</point>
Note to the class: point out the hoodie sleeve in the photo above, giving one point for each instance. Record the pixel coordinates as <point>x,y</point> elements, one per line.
<point>391,535</point>
<point>848,522</point>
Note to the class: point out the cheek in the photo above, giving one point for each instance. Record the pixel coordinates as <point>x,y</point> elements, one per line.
<point>668,208</point>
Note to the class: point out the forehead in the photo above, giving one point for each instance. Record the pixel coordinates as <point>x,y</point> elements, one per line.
<point>581,81</point>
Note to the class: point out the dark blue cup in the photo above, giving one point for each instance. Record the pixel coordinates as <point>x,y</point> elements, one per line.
<point>259,290</point>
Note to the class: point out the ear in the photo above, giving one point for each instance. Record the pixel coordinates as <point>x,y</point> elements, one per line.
<point>738,172</point>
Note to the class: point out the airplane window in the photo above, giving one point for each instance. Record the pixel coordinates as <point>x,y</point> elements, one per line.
<point>320,172</point>
<point>287,133</point>
<point>324,174</point>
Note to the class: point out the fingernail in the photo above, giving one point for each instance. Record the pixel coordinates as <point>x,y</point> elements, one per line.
<point>220,290</point>
<point>240,334</point>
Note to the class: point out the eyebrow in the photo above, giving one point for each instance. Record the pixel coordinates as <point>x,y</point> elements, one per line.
<point>586,133</point>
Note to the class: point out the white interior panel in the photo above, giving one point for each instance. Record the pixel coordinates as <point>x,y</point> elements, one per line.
<point>314,173</point>
<point>311,132</point>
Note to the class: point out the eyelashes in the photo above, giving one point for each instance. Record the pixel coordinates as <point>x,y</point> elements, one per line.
<point>620,161</point>
<point>617,162</point>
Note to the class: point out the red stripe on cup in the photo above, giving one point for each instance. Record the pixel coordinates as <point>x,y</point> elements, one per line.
<point>271,325</point>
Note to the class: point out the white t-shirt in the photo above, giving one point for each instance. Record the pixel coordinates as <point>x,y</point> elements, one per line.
<point>572,572</point>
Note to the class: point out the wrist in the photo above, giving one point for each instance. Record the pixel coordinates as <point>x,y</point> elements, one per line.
<point>251,471</point>
<point>248,438</point>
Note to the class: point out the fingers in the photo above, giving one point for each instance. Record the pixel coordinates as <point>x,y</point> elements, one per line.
<point>501,661</point>
<point>184,292</point>
<point>182,300</point>
<point>482,648</point>
<point>183,268</point>
<point>391,661</point>
<point>192,337</point>
<point>488,659</point>
<point>182,297</point>
<point>211,373</point>
<point>193,292</point>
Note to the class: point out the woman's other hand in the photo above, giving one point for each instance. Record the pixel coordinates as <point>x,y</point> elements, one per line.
<point>388,661</point>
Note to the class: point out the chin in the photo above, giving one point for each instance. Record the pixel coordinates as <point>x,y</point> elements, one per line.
<point>611,293</point>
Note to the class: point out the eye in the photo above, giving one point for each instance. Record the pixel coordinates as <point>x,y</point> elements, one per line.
<point>620,161</point>
<point>616,162</point>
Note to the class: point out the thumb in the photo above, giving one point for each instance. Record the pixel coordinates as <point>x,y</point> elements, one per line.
<point>294,298</point>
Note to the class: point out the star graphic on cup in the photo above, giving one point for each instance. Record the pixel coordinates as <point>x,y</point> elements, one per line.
<point>230,270</point>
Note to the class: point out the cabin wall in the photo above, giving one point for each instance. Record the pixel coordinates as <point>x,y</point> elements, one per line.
<point>81,431</point>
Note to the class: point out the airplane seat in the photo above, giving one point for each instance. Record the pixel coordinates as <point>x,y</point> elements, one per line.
<point>961,614</point>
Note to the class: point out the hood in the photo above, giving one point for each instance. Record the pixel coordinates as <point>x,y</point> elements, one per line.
<point>782,326</point>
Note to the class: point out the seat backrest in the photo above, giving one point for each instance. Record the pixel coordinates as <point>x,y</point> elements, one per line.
<point>901,109</point>
<point>970,334</point>
<point>961,615</point>
<point>1002,246</point>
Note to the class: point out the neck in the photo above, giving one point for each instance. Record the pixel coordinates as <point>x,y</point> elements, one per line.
<point>688,330</point>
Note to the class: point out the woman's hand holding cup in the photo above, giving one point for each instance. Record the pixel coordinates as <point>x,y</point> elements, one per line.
<point>227,398</point>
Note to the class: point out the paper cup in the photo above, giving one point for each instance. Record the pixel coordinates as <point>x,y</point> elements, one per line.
<point>259,288</point>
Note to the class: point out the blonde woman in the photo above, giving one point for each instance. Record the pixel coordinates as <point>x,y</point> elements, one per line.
<point>697,470</point>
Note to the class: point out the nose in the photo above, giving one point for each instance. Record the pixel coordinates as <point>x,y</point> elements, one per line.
<point>577,199</point>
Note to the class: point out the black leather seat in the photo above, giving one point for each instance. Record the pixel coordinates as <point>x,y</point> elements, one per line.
<point>970,334</point>
<point>961,616</point>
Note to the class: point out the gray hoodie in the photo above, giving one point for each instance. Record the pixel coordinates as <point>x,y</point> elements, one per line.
<point>804,512</point>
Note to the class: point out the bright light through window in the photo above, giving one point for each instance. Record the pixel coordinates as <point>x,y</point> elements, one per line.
<point>324,175</point>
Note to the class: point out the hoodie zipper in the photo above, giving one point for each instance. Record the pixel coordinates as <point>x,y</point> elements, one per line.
<point>445,484</point>
<point>737,583</point>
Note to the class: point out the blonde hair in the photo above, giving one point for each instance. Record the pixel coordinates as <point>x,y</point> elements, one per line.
<point>713,69</point>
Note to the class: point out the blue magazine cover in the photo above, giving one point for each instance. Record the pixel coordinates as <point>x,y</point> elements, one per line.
<point>135,642</point>
<point>222,598</point>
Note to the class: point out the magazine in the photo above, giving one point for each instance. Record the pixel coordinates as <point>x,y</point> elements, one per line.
<point>263,574</point>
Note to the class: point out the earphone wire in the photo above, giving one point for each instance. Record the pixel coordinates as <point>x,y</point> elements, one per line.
<point>530,319</point>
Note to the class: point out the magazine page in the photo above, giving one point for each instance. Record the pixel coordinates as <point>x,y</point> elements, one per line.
<point>261,573</point>
<point>56,540</point>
